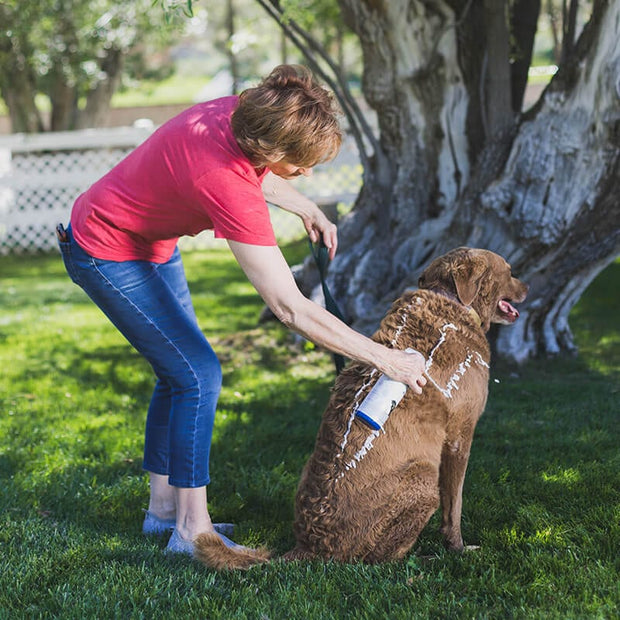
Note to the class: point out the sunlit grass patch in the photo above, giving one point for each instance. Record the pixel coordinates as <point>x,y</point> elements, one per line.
<point>567,477</point>
<point>178,88</point>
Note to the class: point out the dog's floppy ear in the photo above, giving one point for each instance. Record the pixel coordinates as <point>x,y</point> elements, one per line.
<point>467,275</point>
<point>437,274</point>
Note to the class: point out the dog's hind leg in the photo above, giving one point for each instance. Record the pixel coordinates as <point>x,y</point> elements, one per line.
<point>415,501</point>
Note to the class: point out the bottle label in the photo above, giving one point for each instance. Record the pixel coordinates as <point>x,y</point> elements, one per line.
<point>380,402</point>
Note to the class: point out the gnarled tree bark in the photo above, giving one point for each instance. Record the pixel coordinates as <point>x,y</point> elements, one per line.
<point>540,189</point>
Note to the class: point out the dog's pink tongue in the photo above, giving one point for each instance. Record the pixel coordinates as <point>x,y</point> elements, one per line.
<point>508,309</point>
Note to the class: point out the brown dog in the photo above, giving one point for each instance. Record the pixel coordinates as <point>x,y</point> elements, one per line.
<point>367,494</point>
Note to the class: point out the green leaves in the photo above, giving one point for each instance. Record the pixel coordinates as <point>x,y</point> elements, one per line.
<point>174,8</point>
<point>66,48</point>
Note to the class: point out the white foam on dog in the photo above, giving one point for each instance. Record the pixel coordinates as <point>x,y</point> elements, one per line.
<point>361,453</point>
<point>368,444</point>
<point>356,404</point>
<point>358,456</point>
<point>400,328</point>
<point>462,367</point>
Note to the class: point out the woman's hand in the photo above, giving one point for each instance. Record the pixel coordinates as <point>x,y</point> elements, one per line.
<point>407,367</point>
<point>318,226</point>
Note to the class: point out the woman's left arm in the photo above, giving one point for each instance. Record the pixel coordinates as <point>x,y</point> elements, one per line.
<point>281,193</point>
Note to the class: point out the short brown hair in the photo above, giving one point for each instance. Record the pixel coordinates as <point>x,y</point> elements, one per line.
<point>289,115</point>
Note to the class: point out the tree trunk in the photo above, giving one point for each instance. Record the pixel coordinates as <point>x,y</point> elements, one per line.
<point>283,48</point>
<point>63,98</point>
<point>17,83</point>
<point>230,49</point>
<point>461,169</point>
<point>524,20</point>
<point>62,78</point>
<point>98,99</point>
<point>497,112</point>
<point>569,25</point>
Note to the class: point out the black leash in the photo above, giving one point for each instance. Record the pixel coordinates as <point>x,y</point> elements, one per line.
<point>321,258</point>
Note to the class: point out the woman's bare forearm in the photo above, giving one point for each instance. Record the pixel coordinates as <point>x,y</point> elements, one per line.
<point>270,275</point>
<point>281,193</point>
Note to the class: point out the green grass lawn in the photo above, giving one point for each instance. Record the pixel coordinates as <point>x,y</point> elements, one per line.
<point>542,496</point>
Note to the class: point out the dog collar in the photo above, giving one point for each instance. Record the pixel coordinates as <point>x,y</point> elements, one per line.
<point>472,313</point>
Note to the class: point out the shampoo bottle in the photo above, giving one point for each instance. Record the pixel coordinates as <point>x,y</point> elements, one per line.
<point>381,401</point>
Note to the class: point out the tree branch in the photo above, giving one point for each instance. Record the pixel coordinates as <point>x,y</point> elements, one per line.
<point>498,111</point>
<point>309,46</point>
<point>524,20</point>
<point>569,28</point>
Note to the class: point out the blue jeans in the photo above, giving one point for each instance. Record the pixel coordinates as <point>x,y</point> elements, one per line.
<point>150,305</point>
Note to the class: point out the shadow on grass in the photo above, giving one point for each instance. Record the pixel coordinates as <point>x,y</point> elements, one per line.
<point>259,447</point>
<point>544,468</point>
<point>118,367</point>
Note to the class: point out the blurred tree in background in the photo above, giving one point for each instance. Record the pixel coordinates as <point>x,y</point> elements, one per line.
<point>74,52</point>
<point>61,61</point>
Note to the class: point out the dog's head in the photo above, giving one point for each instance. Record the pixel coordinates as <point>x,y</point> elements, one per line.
<point>478,279</point>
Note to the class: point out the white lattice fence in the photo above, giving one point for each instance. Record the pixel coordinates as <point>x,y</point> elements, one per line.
<point>41,175</point>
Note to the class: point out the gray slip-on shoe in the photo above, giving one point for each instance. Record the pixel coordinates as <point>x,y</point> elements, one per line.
<point>176,544</point>
<point>224,529</point>
<point>155,526</point>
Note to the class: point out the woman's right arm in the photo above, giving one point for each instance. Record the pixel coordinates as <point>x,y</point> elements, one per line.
<point>267,270</point>
<point>280,192</point>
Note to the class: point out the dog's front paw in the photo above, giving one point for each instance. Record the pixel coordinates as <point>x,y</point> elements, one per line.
<point>455,547</point>
<point>452,539</point>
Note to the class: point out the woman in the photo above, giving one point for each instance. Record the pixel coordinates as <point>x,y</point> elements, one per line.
<point>212,167</point>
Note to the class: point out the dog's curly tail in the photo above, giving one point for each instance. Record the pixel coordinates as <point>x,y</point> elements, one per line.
<point>211,551</point>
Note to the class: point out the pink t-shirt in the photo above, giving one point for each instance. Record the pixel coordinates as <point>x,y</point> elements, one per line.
<point>189,176</point>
